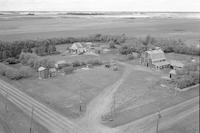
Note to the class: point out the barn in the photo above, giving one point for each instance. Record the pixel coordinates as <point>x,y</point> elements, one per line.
<point>154,59</point>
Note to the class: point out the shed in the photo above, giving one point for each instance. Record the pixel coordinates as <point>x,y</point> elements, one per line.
<point>176,64</point>
<point>43,73</point>
<point>60,64</point>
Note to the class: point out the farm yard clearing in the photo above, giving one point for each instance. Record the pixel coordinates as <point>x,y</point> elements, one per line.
<point>121,76</point>
<point>63,92</point>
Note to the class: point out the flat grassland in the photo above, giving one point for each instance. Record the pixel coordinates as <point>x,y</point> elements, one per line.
<point>19,28</point>
<point>14,120</point>
<point>64,92</point>
<point>189,124</point>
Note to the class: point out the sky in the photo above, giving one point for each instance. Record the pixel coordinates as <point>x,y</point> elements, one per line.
<point>100,5</point>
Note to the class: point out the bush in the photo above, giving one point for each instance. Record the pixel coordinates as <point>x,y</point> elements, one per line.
<point>12,61</point>
<point>13,74</point>
<point>76,63</point>
<point>35,61</point>
<point>25,71</point>
<point>68,70</point>
<point>94,62</point>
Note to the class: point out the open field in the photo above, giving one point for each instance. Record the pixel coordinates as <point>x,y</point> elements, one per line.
<point>142,94</point>
<point>15,120</point>
<point>19,28</point>
<point>189,124</point>
<point>138,92</point>
<point>63,92</point>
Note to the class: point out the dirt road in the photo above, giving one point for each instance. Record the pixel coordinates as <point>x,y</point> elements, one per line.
<point>101,105</point>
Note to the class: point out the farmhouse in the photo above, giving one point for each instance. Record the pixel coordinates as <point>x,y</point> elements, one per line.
<point>154,59</point>
<point>77,48</point>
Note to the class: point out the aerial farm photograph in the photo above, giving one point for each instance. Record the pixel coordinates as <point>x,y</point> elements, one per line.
<point>99,66</point>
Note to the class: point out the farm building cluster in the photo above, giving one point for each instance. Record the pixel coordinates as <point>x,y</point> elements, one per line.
<point>79,48</point>
<point>156,59</point>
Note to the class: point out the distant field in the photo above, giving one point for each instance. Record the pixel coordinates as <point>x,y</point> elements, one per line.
<point>47,27</point>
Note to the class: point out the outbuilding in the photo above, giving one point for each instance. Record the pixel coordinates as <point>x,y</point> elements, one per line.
<point>155,59</point>
<point>43,73</point>
<point>176,64</point>
<point>52,72</point>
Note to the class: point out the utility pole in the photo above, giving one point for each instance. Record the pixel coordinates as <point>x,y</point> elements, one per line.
<point>31,123</point>
<point>157,124</point>
<point>80,98</point>
<point>6,103</point>
<point>113,108</point>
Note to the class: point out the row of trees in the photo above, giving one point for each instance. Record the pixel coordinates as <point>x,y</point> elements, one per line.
<point>188,76</point>
<point>167,45</point>
<point>46,47</point>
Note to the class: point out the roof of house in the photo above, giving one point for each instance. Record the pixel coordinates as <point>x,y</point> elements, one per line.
<point>41,69</point>
<point>61,62</point>
<point>157,54</point>
<point>176,63</point>
<point>52,70</point>
<point>76,45</point>
<point>162,63</point>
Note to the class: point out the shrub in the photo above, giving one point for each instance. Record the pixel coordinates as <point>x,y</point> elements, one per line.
<point>13,74</point>
<point>25,71</point>
<point>12,61</point>
<point>94,62</point>
<point>76,63</point>
<point>68,70</point>
<point>35,61</point>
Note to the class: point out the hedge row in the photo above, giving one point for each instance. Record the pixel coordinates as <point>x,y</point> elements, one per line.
<point>13,73</point>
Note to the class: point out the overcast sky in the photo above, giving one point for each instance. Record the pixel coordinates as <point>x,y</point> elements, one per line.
<point>101,5</point>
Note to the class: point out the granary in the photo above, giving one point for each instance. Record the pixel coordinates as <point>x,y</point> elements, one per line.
<point>52,72</point>
<point>154,59</point>
<point>77,48</point>
<point>174,64</point>
<point>43,73</point>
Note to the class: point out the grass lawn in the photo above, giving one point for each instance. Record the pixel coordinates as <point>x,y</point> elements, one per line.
<point>63,92</point>
<point>15,119</point>
<point>181,57</point>
<point>141,94</point>
<point>189,124</point>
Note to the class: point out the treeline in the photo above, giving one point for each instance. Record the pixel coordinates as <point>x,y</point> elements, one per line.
<point>14,49</point>
<point>47,47</point>
<point>34,61</point>
<point>187,76</point>
<point>167,45</point>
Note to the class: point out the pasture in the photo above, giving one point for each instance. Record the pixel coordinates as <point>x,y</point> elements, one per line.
<point>22,28</point>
